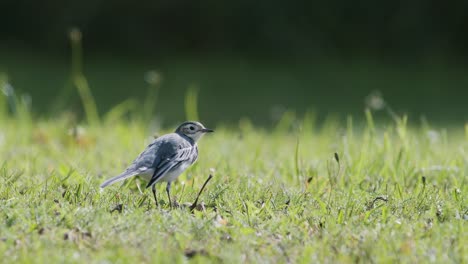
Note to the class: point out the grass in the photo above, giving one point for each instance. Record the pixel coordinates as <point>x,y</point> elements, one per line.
<point>299,192</point>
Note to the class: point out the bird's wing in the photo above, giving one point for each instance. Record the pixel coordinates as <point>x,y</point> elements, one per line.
<point>169,161</point>
<point>142,163</point>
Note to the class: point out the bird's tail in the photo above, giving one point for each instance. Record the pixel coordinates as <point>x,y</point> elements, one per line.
<point>118,178</point>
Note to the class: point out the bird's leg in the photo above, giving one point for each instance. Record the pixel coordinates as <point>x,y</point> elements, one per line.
<point>153,188</point>
<point>168,189</point>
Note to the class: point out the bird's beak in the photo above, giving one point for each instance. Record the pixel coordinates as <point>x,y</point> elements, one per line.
<point>207,130</point>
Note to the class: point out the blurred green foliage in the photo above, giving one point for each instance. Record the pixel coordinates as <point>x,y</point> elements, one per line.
<point>246,59</point>
<point>232,89</point>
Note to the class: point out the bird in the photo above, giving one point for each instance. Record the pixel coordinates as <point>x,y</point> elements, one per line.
<point>165,158</point>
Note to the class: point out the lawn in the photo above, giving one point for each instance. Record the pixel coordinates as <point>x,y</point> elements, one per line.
<point>300,191</point>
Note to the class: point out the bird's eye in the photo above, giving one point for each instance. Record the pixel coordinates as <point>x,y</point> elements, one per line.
<point>191,128</point>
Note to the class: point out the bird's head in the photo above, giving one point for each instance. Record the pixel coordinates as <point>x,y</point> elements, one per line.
<point>192,129</point>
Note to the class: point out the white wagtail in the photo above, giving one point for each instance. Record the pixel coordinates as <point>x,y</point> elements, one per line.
<point>166,157</point>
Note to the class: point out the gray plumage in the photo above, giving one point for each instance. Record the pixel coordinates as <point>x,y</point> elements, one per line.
<point>166,157</point>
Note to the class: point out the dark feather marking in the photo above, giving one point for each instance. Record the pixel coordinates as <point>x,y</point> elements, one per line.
<point>182,155</point>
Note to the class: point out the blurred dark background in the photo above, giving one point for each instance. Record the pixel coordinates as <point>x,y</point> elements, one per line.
<point>246,58</point>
